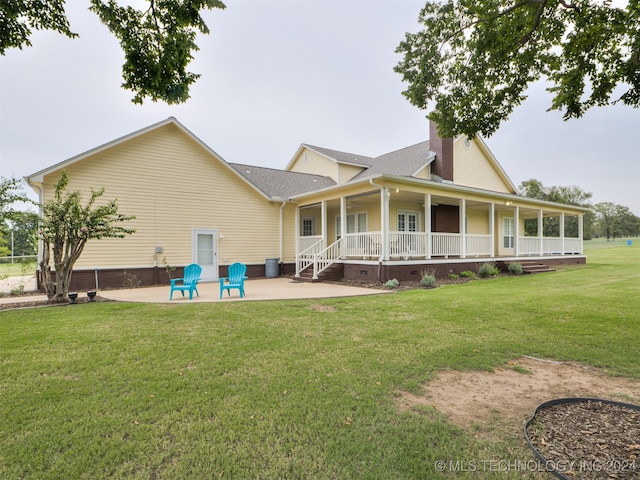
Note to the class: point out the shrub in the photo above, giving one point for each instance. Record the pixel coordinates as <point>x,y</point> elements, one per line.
<point>488,270</point>
<point>129,280</point>
<point>428,279</point>
<point>392,284</point>
<point>467,274</point>
<point>453,276</point>
<point>515,268</point>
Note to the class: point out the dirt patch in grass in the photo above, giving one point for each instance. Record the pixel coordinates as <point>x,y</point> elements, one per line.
<point>515,390</point>
<point>595,438</point>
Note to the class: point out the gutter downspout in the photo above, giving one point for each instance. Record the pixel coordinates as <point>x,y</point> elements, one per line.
<point>282,233</point>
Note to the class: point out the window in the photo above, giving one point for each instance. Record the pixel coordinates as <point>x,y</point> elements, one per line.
<point>507,232</point>
<point>308,226</point>
<point>356,223</point>
<point>408,221</point>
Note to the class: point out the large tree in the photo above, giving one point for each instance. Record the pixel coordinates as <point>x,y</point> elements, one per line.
<point>471,64</point>
<point>615,221</point>
<point>66,227</point>
<point>158,41</point>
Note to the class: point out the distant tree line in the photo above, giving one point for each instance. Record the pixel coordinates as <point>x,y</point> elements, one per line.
<point>606,219</point>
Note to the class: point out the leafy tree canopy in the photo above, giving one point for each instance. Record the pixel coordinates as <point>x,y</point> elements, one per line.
<point>474,59</point>
<point>158,42</point>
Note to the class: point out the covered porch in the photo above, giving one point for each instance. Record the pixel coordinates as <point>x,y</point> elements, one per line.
<point>389,224</point>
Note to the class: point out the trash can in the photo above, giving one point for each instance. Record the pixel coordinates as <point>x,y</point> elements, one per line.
<point>629,243</point>
<point>271,269</point>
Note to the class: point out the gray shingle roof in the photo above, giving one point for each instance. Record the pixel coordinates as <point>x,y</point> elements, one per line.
<point>343,157</point>
<point>282,184</point>
<point>404,162</point>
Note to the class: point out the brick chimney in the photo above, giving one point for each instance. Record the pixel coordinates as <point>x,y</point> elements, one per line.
<point>443,164</point>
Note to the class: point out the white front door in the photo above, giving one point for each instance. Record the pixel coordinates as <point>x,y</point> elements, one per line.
<point>205,252</point>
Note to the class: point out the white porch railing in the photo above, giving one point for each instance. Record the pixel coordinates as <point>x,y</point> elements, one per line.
<point>405,245</point>
<point>446,244</point>
<point>408,244</point>
<point>307,256</point>
<point>478,245</point>
<point>367,244</point>
<point>550,245</point>
<point>317,257</point>
<point>307,242</point>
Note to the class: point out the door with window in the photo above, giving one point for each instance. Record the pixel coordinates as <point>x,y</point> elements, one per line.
<point>205,252</point>
<point>406,244</point>
<point>508,232</point>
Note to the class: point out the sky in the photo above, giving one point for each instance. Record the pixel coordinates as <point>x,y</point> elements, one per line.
<point>276,74</point>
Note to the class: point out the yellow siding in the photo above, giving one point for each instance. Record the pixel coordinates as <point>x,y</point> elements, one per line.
<point>313,163</point>
<point>472,168</point>
<point>477,222</point>
<point>172,185</point>
<point>289,234</point>
<point>347,172</point>
<point>424,173</point>
<point>316,164</point>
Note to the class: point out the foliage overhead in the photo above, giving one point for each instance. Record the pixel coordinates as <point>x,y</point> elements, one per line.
<point>158,42</point>
<point>472,62</point>
<point>66,227</point>
<point>10,193</point>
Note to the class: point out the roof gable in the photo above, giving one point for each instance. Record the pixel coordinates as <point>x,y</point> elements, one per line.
<point>475,166</point>
<point>38,177</point>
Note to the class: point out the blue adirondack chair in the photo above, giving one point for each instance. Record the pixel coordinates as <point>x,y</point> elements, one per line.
<point>187,283</point>
<point>235,279</point>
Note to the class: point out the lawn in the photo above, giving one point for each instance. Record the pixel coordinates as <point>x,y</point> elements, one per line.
<point>293,389</point>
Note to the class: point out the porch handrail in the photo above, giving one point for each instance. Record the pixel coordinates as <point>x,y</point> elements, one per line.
<point>326,257</point>
<point>307,257</point>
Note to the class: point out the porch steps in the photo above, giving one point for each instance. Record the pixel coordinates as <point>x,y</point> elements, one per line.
<point>334,272</point>
<point>530,267</point>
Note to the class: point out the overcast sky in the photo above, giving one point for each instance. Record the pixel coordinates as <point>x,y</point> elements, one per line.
<point>276,74</point>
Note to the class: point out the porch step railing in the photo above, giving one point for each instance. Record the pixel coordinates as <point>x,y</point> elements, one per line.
<point>319,258</point>
<point>307,257</point>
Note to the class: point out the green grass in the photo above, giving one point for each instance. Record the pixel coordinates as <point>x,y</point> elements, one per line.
<point>17,269</point>
<point>284,389</point>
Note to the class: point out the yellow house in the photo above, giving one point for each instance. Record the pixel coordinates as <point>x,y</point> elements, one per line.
<point>443,204</point>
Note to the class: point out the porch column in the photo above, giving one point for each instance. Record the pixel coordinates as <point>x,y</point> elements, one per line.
<point>463,229</point>
<point>492,228</point>
<point>384,221</point>
<point>427,223</point>
<point>323,208</point>
<point>343,221</point>
<point>516,232</point>
<point>580,233</point>
<point>540,233</point>
<point>562,233</point>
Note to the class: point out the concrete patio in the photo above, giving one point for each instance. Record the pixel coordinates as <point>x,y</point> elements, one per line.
<point>260,289</point>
